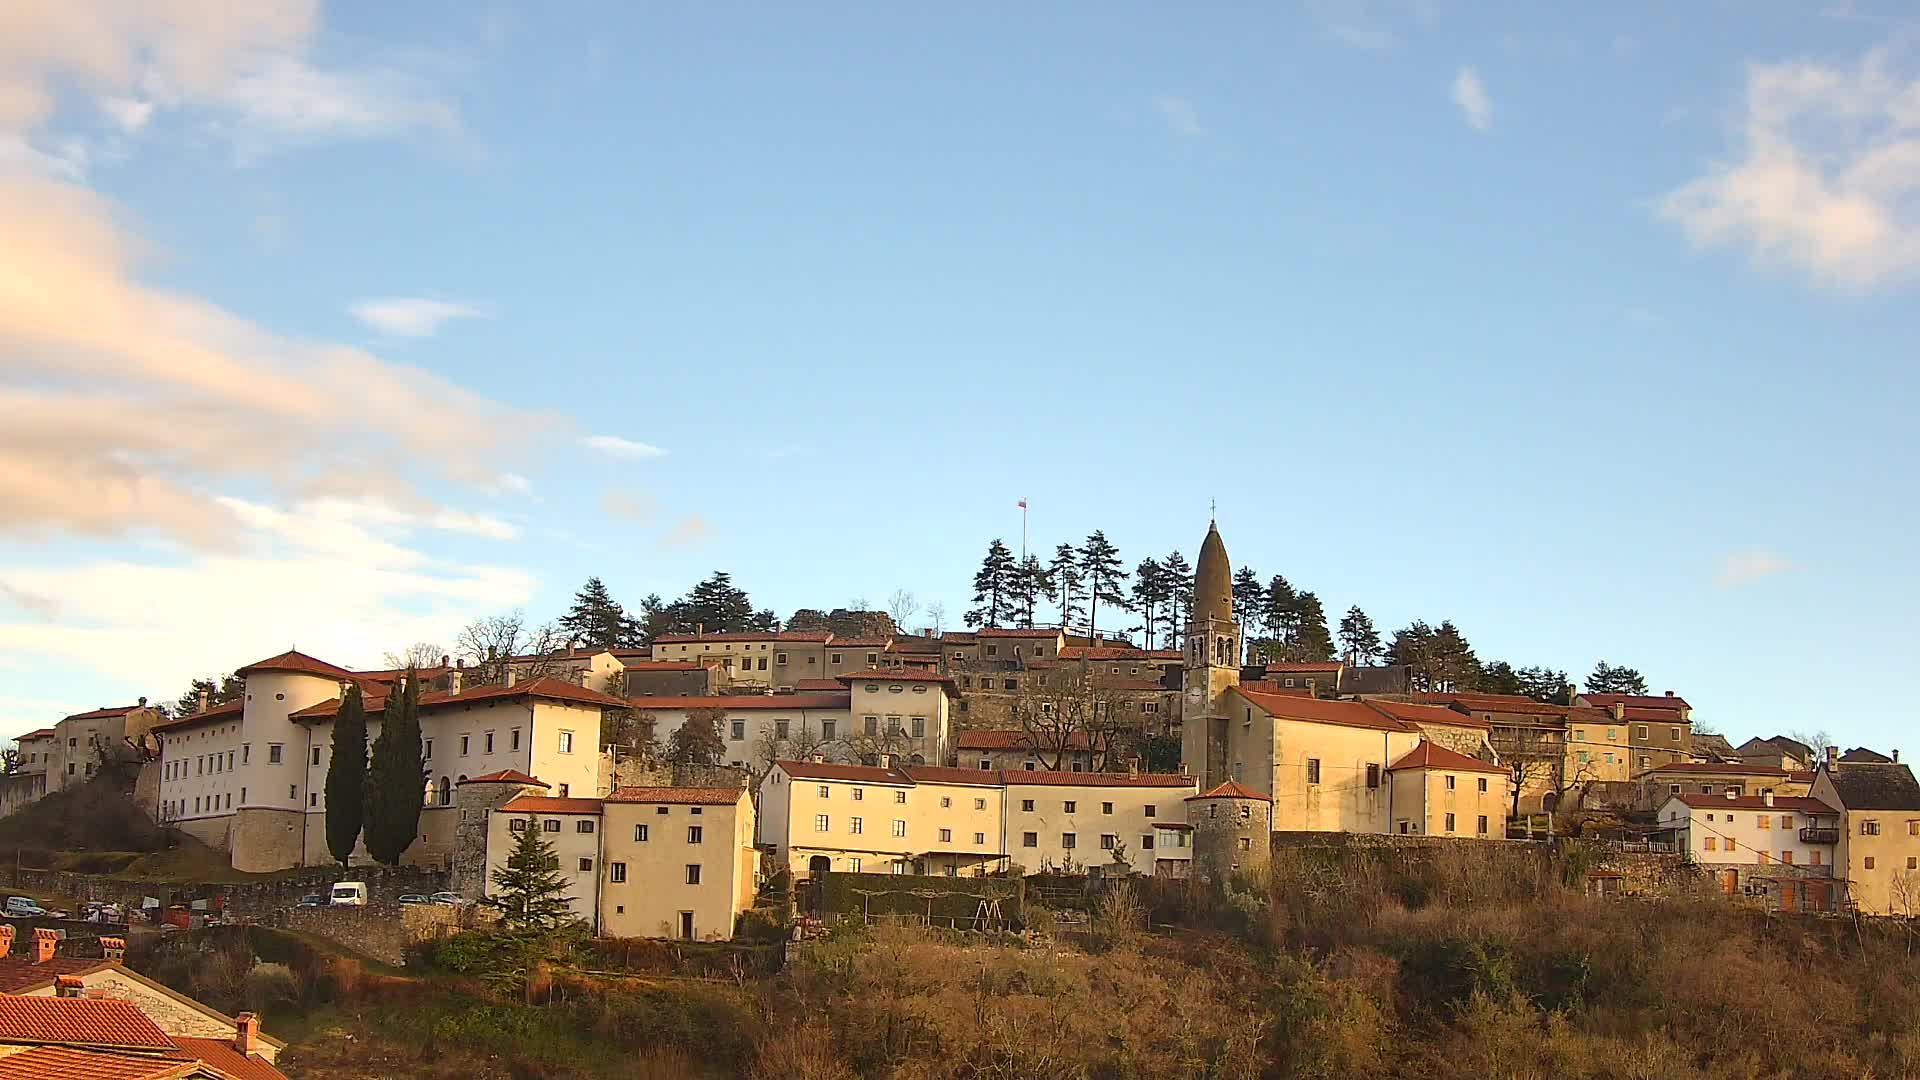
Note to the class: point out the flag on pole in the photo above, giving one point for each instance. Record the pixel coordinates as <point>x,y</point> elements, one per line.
<point>1023,504</point>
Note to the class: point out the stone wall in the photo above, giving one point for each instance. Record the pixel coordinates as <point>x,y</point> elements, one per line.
<point>265,840</point>
<point>474,802</point>
<point>382,931</point>
<point>1655,875</point>
<point>243,900</point>
<point>636,772</point>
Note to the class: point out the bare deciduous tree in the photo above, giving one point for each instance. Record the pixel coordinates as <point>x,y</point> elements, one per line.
<point>1817,741</point>
<point>493,644</point>
<point>769,746</point>
<point>1062,712</point>
<point>901,605</point>
<point>936,618</point>
<point>420,654</point>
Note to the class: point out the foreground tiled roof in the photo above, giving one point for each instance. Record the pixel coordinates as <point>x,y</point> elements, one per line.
<point>828,770</point>
<point>894,675</point>
<point>826,686</point>
<point>1413,713</point>
<point>227,710</point>
<point>1431,755</point>
<point>1876,786</point>
<point>1637,701</point>
<point>297,662</point>
<point>69,1063</point>
<point>679,796</point>
<point>220,1054</point>
<point>941,774</point>
<point>77,1021</point>
<point>506,776</point>
<point>19,974</point>
<point>542,804</point>
<point>1315,710</point>
<point>746,702</point>
<point>1232,789</point>
<point>1703,801</point>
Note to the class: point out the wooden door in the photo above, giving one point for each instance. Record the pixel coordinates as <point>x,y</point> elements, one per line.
<point>1819,896</point>
<point>1729,881</point>
<point>1789,897</point>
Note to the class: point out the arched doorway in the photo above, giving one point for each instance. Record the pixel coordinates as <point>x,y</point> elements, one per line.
<point>818,865</point>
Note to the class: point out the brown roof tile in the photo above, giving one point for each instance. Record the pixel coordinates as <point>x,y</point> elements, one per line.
<point>507,776</point>
<point>69,1063</point>
<point>746,702</point>
<point>1232,789</point>
<point>19,974</point>
<point>543,804</point>
<point>297,662</point>
<point>79,1021</point>
<point>1019,777</point>
<point>1802,804</point>
<point>679,796</point>
<point>1319,711</point>
<point>1431,755</point>
<point>221,1054</point>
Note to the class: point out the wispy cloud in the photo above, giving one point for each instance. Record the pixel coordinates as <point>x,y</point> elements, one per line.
<point>615,446</point>
<point>1470,94</point>
<point>1826,175</point>
<point>1180,116</point>
<point>1745,566</point>
<point>633,506</point>
<point>410,316</point>
<point>689,532</point>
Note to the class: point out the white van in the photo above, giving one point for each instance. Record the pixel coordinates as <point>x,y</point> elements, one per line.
<point>348,894</point>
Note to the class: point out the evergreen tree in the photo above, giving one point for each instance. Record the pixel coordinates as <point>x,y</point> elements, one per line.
<point>656,618</point>
<point>1100,563</point>
<point>1179,577</point>
<point>1455,666</point>
<point>1311,640</point>
<point>993,587</point>
<point>347,776</point>
<point>1607,679</point>
<point>1499,677</point>
<point>1063,579</point>
<point>1546,684</point>
<point>396,777</point>
<point>697,741</point>
<point>1150,595</point>
<point>219,692</point>
<point>1029,585</point>
<point>1280,613</point>
<point>1247,603</point>
<point>598,621</point>
<point>717,605</point>
<point>1358,638</point>
<point>528,890</point>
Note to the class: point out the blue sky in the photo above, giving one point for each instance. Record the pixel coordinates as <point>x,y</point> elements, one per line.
<point>1590,329</point>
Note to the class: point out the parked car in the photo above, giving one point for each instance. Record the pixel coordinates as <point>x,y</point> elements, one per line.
<point>348,894</point>
<point>23,907</point>
<point>412,898</point>
<point>312,899</point>
<point>449,899</point>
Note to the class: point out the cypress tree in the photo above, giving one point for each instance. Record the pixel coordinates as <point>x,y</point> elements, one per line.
<point>347,777</point>
<point>396,778</point>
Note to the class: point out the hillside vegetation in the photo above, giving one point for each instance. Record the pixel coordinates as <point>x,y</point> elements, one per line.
<point>1476,962</point>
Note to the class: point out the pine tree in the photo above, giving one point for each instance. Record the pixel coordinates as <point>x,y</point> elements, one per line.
<point>1455,666</point>
<point>716,605</point>
<point>1358,638</point>
<point>1499,677</point>
<point>1063,580</point>
<point>1311,640</point>
<point>1179,596</point>
<point>993,587</point>
<point>219,692</point>
<point>1100,562</point>
<point>396,777</point>
<point>656,618</point>
<point>528,890</point>
<point>1607,679</point>
<point>1247,606</point>
<point>1546,684</point>
<point>1281,611</point>
<point>1150,589</point>
<point>1029,585</point>
<point>598,621</point>
<point>347,776</point>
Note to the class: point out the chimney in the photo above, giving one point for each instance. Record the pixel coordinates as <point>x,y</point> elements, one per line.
<point>699,629</point>
<point>143,703</point>
<point>817,758</point>
<point>886,761</point>
<point>1833,755</point>
<point>45,943</point>
<point>510,674</point>
<point>1767,796</point>
<point>1732,794</point>
<point>6,938</point>
<point>114,948</point>
<point>456,680</point>
<point>68,986</point>
<point>1619,710</point>
<point>246,1028</point>
<point>1669,693</point>
<point>1133,766</point>
<point>490,652</point>
<point>203,701</point>
<point>445,660</point>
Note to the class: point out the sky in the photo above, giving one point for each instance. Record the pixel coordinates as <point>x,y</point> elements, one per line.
<point>1589,328</point>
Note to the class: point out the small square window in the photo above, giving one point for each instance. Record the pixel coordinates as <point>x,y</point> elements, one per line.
<point>693,873</point>
<point>586,865</point>
<point>1071,806</point>
<point>1067,840</point>
<point>1026,806</point>
<point>1030,839</point>
<point>640,833</point>
<point>617,872</point>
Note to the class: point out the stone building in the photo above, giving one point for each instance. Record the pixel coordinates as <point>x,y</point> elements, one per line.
<point>1232,832</point>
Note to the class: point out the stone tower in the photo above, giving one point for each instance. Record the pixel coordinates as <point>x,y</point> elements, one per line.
<point>1232,833</point>
<point>1212,664</point>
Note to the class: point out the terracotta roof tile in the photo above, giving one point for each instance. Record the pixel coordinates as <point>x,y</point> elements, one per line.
<point>1718,768</point>
<point>1431,755</point>
<point>746,702</point>
<point>663,665</point>
<point>1294,667</point>
<point>941,774</point>
<point>1020,777</point>
<point>221,1054</point>
<point>1514,704</point>
<point>19,974</point>
<point>859,643</point>
<point>830,686</point>
<point>1804,805</point>
<point>43,733</point>
<point>818,636</point>
<point>69,1063</point>
<point>679,796</point>
<point>1413,713</point>
<point>546,688</point>
<point>1316,710</point>
<point>1637,701</point>
<point>1232,789</point>
<point>995,739</point>
<point>79,1021</point>
<point>507,776</point>
<point>542,804</point>
<point>224,711</point>
<point>105,713</point>
<point>1013,632</point>
<point>297,662</point>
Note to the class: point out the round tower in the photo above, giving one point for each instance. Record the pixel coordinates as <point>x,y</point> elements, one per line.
<point>1232,833</point>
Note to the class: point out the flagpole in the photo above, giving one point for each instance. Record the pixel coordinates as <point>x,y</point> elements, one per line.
<point>1023,528</point>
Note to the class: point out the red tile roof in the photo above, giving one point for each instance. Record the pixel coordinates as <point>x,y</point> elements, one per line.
<point>1497,703</point>
<point>105,713</point>
<point>1316,710</point>
<point>1018,777</point>
<point>69,1063</point>
<point>1262,686</point>
<point>298,662</point>
<point>1703,801</point>
<point>221,1054</point>
<point>860,643</point>
<point>820,636</point>
<point>664,665</point>
<point>542,804</point>
<point>1104,652</point>
<point>1718,768</point>
<point>507,776</point>
<point>941,774</point>
<point>1232,789</point>
<point>894,675</point>
<point>1013,632</point>
<point>995,739</point>
<point>43,733</point>
<point>19,974</point>
<point>679,796</point>
<point>1637,701</point>
<point>1291,667</point>
<point>957,637</point>
<point>546,688</point>
<point>79,1021</point>
<point>1412,713</point>
<point>746,702</point>
<point>827,770</point>
<point>227,710</point>
<point>818,685</point>
<point>1431,755</point>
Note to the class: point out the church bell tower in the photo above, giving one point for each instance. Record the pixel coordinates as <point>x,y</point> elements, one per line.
<point>1212,665</point>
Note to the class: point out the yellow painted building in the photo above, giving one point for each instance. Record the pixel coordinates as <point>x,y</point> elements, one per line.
<point>1442,792</point>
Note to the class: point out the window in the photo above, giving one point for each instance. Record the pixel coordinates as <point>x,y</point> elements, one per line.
<point>1712,843</point>
<point>550,825</point>
<point>586,865</point>
<point>1449,783</point>
<point>899,827</point>
<point>617,872</point>
<point>872,724</point>
<point>640,833</point>
<point>1641,733</point>
<point>1313,770</point>
<point>517,825</point>
<point>853,864</point>
<point>1449,821</point>
<point>992,650</point>
<point>899,796</point>
<point>1026,806</point>
<point>820,823</point>
<point>1613,735</point>
<point>1481,825</point>
<point>426,750</point>
<point>780,728</point>
<point>583,826</point>
<point>859,794</point>
<point>1149,809</point>
<point>246,751</point>
<point>566,742</point>
<point>780,658</point>
<point>946,802</point>
<point>1107,841</point>
<point>513,739</point>
<point>763,663</point>
<point>1070,806</point>
<point>1146,842</point>
<point>1869,827</point>
<point>1373,775</point>
<point>563,792</point>
<point>1013,683</point>
<point>835,658</point>
<point>1106,808</point>
<point>739,730</point>
<point>1913,863</point>
<point>986,683</point>
<point>979,804</point>
<point>1674,734</point>
<point>316,755</point>
<point>825,791</point>
<point>979,838</point>
<point>1913,828</point>
<point>946,836</point>
<point>1763,821</point>
<point>465,740</point>
<point>1646,762</point>
<point>1067,840</point>
<point>893,726</point>
<point>489,743</point>
<point>919,727</point>
<point>660,810</point>
<point>273,753</point>
<point>828,728</point>
<point>1786,857</point>
<point>873,659</point>
<point>293,791</point>
<point>693,873</point>
<point>1729,844</point>
<point>1867,863</point>
<point>856,826</point>
<point>1483,789</point>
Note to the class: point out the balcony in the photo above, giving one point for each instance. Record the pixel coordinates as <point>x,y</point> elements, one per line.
<point>1819,836</point>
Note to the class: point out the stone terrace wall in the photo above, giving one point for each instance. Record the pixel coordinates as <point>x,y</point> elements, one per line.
<point>381,931</point>
<point>242,900</point>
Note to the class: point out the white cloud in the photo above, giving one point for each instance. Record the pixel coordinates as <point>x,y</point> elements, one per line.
<point>281,99</point>
<point>1744,566</point>
<point>1470,94</point>
<point>632,505</point>
<point>1826,176</point>
<point>127,114</point>
<point>615,446</point>
<point>689,532</point>
<point>1180,116</point>
<point>409,316</point>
